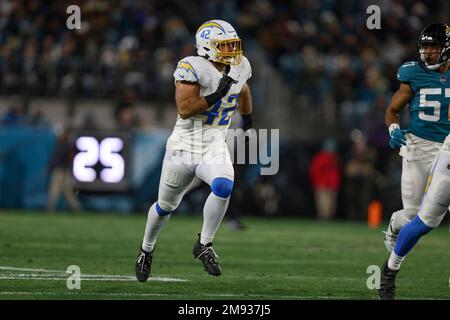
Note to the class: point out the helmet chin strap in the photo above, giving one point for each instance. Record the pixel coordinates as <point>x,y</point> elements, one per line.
<point>432,66</point>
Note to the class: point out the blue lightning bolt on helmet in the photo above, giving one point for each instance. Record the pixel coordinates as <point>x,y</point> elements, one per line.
<point>217,40</point>
<point>438,36</point>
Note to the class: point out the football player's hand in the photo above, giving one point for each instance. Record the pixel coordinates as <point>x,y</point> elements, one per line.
<point>224,85</point>
<point>398,138</point>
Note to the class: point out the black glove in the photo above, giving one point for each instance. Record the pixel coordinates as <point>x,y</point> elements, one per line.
<point>224,86</point>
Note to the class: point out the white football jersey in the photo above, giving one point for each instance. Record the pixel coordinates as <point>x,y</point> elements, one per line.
<point>207,129</point>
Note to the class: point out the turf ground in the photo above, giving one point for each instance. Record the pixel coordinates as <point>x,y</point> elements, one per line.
<point>273,259</point>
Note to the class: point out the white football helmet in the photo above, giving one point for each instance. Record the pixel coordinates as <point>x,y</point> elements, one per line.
<point>217,40</point>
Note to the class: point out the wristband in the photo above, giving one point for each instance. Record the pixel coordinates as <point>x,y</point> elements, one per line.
<point>392,127</point>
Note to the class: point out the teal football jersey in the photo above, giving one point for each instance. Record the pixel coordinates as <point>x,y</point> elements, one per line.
<point>429,107</point>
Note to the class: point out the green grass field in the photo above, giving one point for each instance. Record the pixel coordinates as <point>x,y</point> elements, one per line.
<point>273,259</point>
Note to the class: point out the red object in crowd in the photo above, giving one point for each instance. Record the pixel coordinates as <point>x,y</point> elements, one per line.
<point>325,171</point>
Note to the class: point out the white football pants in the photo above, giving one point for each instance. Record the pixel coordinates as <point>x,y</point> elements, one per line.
<point>437,194</point>
<point>180,169</point>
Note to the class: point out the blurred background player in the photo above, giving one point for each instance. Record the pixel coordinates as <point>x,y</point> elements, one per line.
<point>208,87</point>
<point>432,210</point>
<point>425,86</point>
<point>325,173</point>
<point>61,177</point>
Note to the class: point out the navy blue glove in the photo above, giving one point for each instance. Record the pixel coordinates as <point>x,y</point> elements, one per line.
<point>398,138</point>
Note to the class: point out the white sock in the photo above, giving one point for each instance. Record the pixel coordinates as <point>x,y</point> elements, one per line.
<point>395,261</point>
<point>154,225</point>
<point>213,212</point>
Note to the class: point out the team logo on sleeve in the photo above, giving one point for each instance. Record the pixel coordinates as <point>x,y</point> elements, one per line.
<point>184,65</point>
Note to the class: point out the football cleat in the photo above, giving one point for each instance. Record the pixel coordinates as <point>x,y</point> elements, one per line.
<point>387,283</point>
<point>390,235</point>
<point>207,255</point>
<point>143,265</point>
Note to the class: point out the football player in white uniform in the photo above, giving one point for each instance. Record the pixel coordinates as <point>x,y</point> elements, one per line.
<point>434,205</point>
<point>209,87</point>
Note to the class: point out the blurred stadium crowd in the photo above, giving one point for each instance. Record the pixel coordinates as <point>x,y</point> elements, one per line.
<point>335,73</point>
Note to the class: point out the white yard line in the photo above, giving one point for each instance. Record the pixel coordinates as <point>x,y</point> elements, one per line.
<point>58,275</point>
<point>29,269</point>
<point>49,274</point>
<point>131,279</point>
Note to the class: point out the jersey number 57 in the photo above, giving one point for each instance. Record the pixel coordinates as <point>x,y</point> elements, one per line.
<point>435,104</point>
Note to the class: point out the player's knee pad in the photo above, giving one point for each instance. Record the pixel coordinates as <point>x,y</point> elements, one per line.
<point>222,187</point>
<point>164,208</point>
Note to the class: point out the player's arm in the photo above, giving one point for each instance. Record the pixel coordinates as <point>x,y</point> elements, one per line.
<point>188,99</point>
<point>245,101</point>
<point>392,115</point>
<point>245,107</point>
<point>398,102</point>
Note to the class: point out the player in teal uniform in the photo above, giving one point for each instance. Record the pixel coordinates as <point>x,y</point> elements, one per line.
<point>425,86</point>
